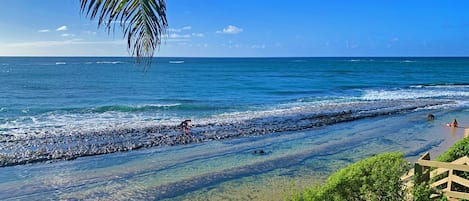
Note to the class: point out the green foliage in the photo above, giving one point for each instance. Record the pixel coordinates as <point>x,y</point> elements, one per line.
<point>422,192</point>
<point>374,178</point>
<point>294,194</point>
<point>458,150</point>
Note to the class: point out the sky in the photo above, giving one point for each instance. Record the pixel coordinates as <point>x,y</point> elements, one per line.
<point>249,28</point>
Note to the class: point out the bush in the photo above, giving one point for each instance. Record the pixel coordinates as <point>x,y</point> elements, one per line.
<point>374,178</point>
<point>458,150</point>
<point>422,192</point>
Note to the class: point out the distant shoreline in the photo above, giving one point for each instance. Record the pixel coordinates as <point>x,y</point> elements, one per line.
<point>235,57</point>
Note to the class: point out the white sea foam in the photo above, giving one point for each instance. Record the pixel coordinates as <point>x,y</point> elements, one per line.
<point>161,105</point>
<point>399,61</point>
<point>294,108</point>
<point>65,123</point>
<point>443,86</point>
<point>110,62</point>
<point>60,63</point>
<point>68,124</point>
<point>442,106</point>
<point>405,94</point>
<point>299,61</point>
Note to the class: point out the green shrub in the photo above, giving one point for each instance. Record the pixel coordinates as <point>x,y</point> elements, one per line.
<point>422,192</point>
<point>458,150</point>
<point>374,178</point>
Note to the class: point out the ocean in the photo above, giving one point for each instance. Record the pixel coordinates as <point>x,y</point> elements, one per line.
<point>387,97</point>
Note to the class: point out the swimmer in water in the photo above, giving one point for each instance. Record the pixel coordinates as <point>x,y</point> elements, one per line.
<point>453,124</point>
<point>430,117</point>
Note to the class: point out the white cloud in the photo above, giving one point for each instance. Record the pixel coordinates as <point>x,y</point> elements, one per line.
<point>62,28</point>
<point>67,35</point>
<point>119,22</point>
<point>65,47</point>
<point>198,34</point>
<point>90,32</point>
<point>63,43</point>
<point>185,28</point>
<point>231,29</point>
<point>258,46</point>
<point>202,45</point>
<point>351,44</point>
<point>394,40</point>
<point>44,30</point>
<point>173,35</point>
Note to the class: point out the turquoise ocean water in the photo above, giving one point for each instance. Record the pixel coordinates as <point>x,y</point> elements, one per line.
<point>62,95</point>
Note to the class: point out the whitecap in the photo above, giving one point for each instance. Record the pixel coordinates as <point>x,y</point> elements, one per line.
<point>299,61</point>
<point>110,62</point>
<point>161,105</point>
<point>405,94</point>
<point>448,86</point>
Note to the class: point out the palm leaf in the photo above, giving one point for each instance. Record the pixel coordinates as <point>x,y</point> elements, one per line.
<point>143,22</point>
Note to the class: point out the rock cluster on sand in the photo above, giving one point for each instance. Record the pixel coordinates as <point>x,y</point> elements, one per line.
<point>16,150</point>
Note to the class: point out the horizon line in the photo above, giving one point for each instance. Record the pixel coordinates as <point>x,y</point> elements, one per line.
<point>236,57</point>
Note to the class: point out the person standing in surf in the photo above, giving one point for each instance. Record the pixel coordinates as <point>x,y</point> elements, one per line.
<point>186,126</point>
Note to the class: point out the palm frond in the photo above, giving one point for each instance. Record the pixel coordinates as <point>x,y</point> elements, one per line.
<point>143,22</point>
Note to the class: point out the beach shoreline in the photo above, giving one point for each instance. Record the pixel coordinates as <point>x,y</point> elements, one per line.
<point>47,148</point>
<point>215,169</point>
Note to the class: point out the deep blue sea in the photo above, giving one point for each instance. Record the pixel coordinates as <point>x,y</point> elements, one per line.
<point>389,99</point>
<point>40,93</point>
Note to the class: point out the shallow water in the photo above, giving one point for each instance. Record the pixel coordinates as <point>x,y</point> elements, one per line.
<point>228,169</point>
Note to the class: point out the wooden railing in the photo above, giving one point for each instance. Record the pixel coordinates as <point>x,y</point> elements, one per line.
<point>445,174</point>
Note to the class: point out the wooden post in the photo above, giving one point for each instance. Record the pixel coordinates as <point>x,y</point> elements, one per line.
<point>450,178</point>
<point>422,173</point>
<point>418,174</point>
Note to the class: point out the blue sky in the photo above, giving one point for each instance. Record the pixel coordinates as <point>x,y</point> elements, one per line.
<point>249,28</point>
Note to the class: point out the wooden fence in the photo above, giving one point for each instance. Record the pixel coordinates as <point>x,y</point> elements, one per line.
<point>444,175</point>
